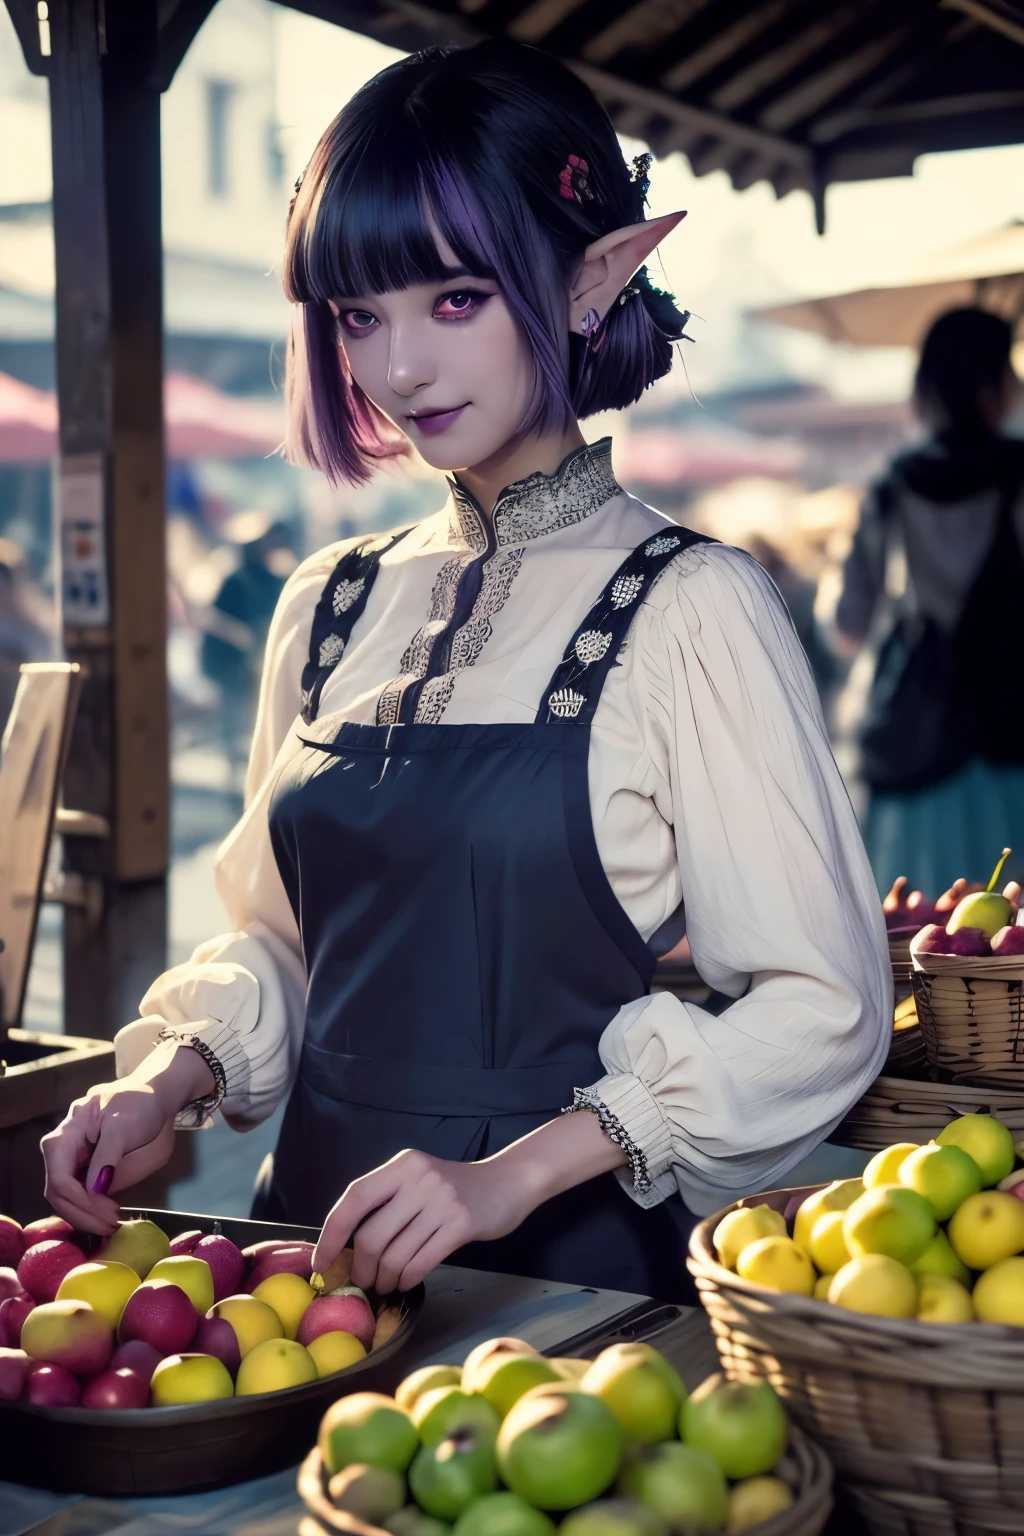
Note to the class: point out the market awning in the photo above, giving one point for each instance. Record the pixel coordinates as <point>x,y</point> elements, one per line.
<point>987,270</point>
<point>702,456</point>
<point>202,422</point>
<point>792,92</point>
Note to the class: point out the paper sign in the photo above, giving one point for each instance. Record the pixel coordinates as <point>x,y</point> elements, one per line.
<point>85,599</point>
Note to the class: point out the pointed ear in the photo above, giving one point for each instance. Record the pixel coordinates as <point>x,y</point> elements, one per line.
<point>609,264</point>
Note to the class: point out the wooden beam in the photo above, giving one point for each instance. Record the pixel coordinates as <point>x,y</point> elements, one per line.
<point>105,119</point>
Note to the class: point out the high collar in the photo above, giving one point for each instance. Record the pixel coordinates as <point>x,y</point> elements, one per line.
<point>539,503</point>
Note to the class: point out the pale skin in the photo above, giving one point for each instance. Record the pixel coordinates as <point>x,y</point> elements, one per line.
<point>433,347</point>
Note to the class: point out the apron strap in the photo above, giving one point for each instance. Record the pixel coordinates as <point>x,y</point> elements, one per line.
<point>575,688</point>
<point>341,604</point>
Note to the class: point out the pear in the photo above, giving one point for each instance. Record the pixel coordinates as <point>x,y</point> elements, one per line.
<point>986,910</point>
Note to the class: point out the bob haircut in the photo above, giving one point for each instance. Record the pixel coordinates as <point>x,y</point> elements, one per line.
<point>963,369</point>
<point>469,142</point>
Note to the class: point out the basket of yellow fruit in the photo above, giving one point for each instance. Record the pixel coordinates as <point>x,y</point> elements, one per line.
<point>888,1312</point>
<point>511,1443</point>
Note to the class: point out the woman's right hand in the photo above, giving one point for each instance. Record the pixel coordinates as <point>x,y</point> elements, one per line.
<point>126,1126</point>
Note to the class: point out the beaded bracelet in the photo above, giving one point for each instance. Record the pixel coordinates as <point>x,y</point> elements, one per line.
<point>586,1098</point>
<point>197,1111</point>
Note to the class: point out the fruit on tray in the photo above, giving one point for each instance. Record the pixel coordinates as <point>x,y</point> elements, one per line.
<point>72,1334</point>
<point>96,1323</point>
<point>105,1286</point>
<point>985,911</point>
<point>346,1311</point>
<point>931,1238</point>
<point>44,1265</point>
<point>139,1244</point>
<point>564,1451</point>
<point>190,1275</point>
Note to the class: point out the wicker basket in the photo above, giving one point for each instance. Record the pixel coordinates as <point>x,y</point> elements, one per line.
<point>972,1027</point>
<point>888,1512</point>
<point>906,1056</point>
<point>919,1408</point>
<point>901,961</point>
<point>900,1109</point>
<point>805,1468</point>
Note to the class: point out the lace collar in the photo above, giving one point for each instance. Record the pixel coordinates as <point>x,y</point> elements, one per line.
<point>540,503</point>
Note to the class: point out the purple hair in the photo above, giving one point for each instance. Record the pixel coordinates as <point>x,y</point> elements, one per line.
<point>467,143</point>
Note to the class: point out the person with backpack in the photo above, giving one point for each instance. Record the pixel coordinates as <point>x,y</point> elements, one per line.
<point>935,578</point>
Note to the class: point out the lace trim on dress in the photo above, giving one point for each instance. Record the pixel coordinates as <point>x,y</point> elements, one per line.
<point>586,1098</point>
<point>540,503</point>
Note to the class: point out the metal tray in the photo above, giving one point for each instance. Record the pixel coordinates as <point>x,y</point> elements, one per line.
<point>188,1449</point>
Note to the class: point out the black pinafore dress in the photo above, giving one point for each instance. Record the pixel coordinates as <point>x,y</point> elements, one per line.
<point>463,946</point>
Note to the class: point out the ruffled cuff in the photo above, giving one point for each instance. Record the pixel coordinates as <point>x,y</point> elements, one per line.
<point>216,1042</point>
<point>629,1115</point>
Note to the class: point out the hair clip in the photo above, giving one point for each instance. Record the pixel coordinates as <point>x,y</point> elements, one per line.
<point>640,173</point>
<point>572,181</point>
<point>629,292</point>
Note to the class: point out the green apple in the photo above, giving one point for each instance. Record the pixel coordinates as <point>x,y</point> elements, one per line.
<point>426,1379</point>
<point>682,1484</point>
<point>367,1427</point>
<point>446,1478</point>
<point>834,1197</point>
<point>369,1493</point>
<point>443,1410</point>
<point>139,1244</point>
<point>485,1351</point>
<point>986,1140</point>
<point>641,1389</point>
<point>559,1447</point>
<point>890,1220</point>
<point>945,1176</point>
<point>742,1425</point>
<point>614,1517</point>
<point>503,1378</point>
<point>939,1259</point>
<point>503,1514</point>
<point>411,1521</point>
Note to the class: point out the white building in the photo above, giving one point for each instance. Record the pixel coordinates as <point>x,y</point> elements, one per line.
<point>225,198</point>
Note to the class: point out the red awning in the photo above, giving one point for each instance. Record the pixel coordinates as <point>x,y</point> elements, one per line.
<point>706,455</point>
<point>202,422</point>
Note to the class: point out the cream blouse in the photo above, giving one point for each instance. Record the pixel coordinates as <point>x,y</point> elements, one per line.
<point>711,785</point>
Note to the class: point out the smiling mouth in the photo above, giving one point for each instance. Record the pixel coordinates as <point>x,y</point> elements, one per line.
<point>432,422</point>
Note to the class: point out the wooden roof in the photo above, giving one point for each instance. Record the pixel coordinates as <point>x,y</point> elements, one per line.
<point>798,93</point>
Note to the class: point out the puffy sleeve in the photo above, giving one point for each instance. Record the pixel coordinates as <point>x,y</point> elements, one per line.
<point>781,909</point>
<point>243,993</point>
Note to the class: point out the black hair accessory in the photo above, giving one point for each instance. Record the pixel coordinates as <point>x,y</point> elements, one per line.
<point>640,173</point>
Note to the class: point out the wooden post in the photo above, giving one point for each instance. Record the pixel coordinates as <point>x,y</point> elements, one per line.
<point>105,113</point>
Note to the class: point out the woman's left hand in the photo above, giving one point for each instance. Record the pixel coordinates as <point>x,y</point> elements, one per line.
<point>410,1214</point>
<point>406,1217</point>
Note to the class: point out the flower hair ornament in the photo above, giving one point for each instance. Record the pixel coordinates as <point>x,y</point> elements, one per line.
<point>573,183</point>
<point>640,173</point>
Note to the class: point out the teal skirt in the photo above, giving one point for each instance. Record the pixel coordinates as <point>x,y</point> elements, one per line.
<point>958,827</point>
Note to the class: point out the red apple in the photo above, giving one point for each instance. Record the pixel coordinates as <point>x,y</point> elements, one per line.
<point>932,940</point>
<point>137,1356</point>
<point>227,1265</point>
<point>122,1388</point>
<point>277,1258</point>
<point>160,1313</point>
<point>342,1311</point>
<point>1008,941</point>
<point>50,1386</point>
<point>12,1242</point>
<point>13,1313</point>
<point>13,1367</point>
<point>47,1228</point>
<point>10,1285</point>
<point>44,1265</point>
<point>184,1242</point>
<point>215,1336</point>
<point>969,941</point>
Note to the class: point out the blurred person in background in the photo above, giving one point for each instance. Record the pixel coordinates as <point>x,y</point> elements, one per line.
<point>236,623</point>
<point>937,572</point>
<point>23,634</point>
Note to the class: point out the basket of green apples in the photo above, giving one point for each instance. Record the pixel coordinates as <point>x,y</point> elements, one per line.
<point>515,1444</point>
<point>969,989</point>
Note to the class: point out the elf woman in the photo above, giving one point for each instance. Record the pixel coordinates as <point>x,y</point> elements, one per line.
<point>505,757</point>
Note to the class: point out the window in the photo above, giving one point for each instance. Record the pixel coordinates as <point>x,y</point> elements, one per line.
<point>218,108</point>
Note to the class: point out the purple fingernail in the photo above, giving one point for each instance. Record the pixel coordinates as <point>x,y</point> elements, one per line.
<point>102,1181</point>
